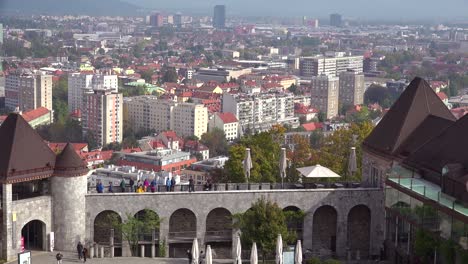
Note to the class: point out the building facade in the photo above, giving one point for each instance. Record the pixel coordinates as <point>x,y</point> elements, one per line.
<point>331,65</point>
<point>351,88</point>
<point>150,113</point>
<point>80,83</point>
<point>219,16</point>
<point>28,91</point>
<point>226,122</point>
<point>259,112</point>
<point>336,20</point>
<point>324,95</point>
<point>103,115</point>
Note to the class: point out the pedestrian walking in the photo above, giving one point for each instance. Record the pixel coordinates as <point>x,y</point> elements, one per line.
<point>59,257</point>
<point>111,190</point>
<point>191,185</point>
<point>168,184</point>
<point>100,187</point>
<point>173,184</point>
<point>122,185</point>
<point>85,253</point>
<point>189,256</point>
<point>79,248</point>
<point>132,185</point>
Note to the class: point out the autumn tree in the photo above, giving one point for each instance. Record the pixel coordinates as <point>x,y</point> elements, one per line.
<point>216,141</point>
<point>335,150</point>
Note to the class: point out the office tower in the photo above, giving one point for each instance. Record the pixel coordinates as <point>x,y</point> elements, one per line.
<point>219,16</point>
<point>351,88</point>
<point>324,94</point>
<point>1,33</point>
<point>156,20</point>
<point>102,115</point>
<point>335,20</point>
<point>178,20</point>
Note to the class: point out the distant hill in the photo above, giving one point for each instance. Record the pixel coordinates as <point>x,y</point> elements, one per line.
<point>68,7</point>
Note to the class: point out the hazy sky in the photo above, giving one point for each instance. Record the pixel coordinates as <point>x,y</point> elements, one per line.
<point>365,9</point>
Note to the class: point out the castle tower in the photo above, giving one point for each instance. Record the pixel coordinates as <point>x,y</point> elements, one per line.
<point>69,187</point>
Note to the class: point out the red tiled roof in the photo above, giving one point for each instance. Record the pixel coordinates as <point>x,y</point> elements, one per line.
<point>59,146</point>
<point>312,126</point>
<point>228,117</point>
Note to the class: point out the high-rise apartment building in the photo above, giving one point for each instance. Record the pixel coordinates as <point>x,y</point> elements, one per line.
<point>324,94</point>
<point>1,33</point>
<point>331,64</point>
<point>336,20</point>
<point>79,83</point>
<point>150,113</point>
<point>219,16</point>
<point>28,91</point>
<point>351,88</point>
<point>178,20</point>
<point>259,112</point>
<point>102,115</point>
<point>156,20</point>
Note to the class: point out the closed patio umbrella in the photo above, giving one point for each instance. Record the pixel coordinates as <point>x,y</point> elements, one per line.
<point>195,253</point>
<point>247,164</point>
<point>283,165</point>
<point>298,253</point>
<point>279,250</point>
<point>238,259</point>
<point>209,257</point>
<point>352,163</point>
<point>254,254</point>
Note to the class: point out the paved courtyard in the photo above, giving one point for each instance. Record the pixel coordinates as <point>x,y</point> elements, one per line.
<point>68,257</point>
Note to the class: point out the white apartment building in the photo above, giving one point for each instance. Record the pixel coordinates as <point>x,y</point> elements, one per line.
<point>226,122</point>
<point>80,83</point>
<point>102,115</point>
<point>324,94</point>
<point>331,66</point>
<point>28,91</point>
<point>259,112</point>
<point>148,112</point>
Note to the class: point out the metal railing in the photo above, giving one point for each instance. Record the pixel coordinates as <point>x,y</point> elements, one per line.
<point>183,235</point>
<point>232,187</point>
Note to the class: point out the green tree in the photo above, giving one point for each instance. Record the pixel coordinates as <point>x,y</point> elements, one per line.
<point>261,224</point>
<point>335,150</point>
<point>233,167</point>
<point>378,94</point>
<point>424,245</point>
<point>135,226</point>
<point>170,75</point>
<point>147,75</point>
<point>216,141</point>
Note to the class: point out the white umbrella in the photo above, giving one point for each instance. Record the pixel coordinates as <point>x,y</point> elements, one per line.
<point>254,254</point>
<point>238,259</point>
<point>195,253</point>
<point>283,165</point>
<point>317,171</point>
<point>279,250</point>
<point>209,257</point>
<point>352,163</point>
<point>247,164</point>
<point>298,253</point>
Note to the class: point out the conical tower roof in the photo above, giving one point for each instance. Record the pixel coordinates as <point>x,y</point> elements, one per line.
<point>69,163</point>
<point>24,156</point>
<point>414,105</point>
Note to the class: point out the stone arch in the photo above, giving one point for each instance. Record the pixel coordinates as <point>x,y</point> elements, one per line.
<point>219,232</point>
<point>294,225</point>
<point>34,235</point>
<point>103,224</point>
<point>183,224</point>
<point>359,226</point>
<point>182,231</point>
<point>146,238</point>
<point>324,231</point>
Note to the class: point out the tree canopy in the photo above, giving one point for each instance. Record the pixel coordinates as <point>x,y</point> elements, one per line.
<point>262,223</point>
<point>216,141</point>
